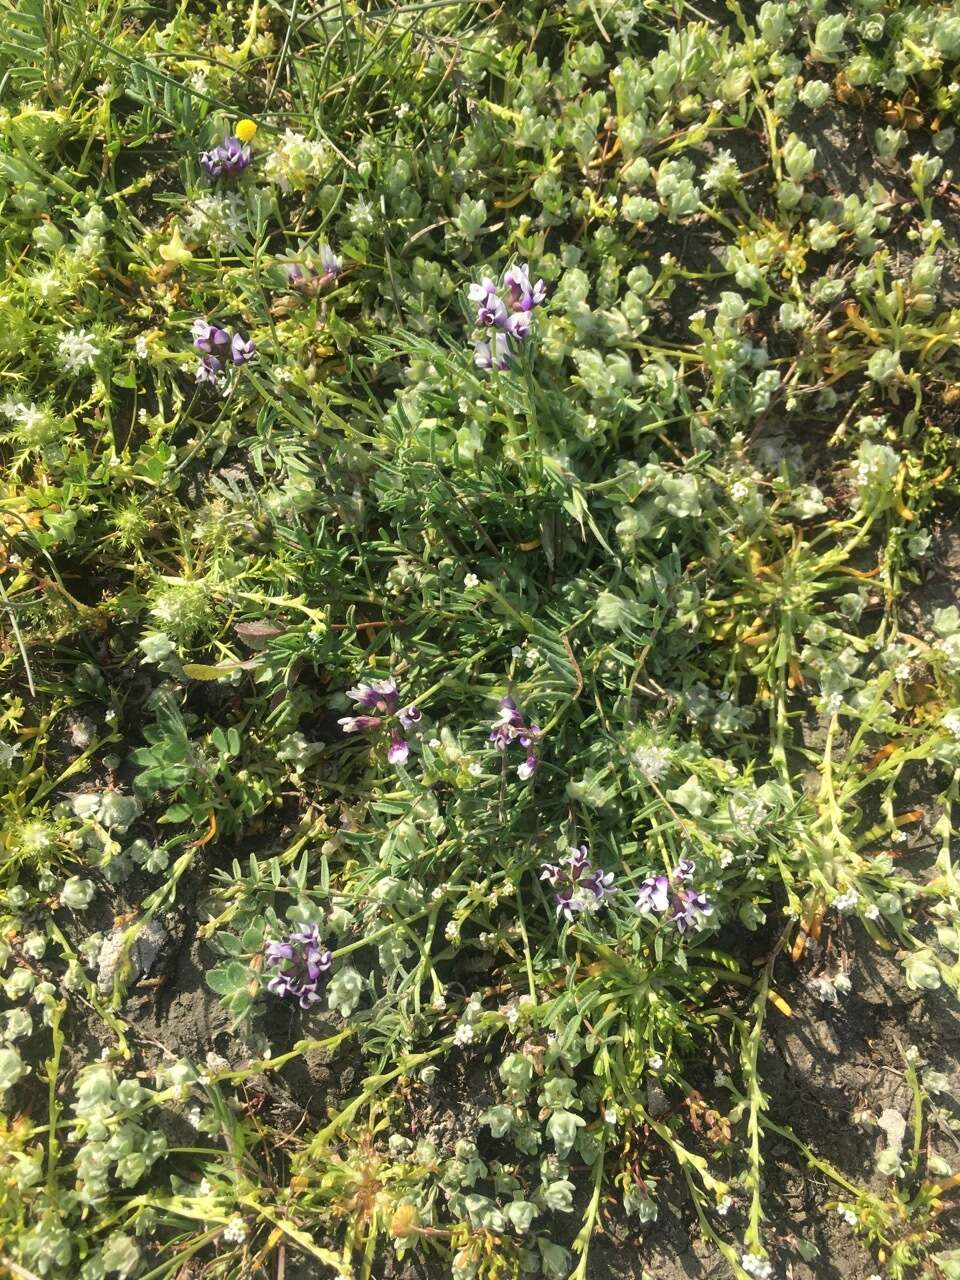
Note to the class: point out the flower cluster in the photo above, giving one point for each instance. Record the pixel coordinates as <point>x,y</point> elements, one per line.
<point>215,344</point>
<point>226,160</point>
<point>508,318</point>
<point>659,894</point>
<point>77,351</point>
<point>578,885</point>
<point>301,961</point>
<point>511,727</point>
<point>382,696</point>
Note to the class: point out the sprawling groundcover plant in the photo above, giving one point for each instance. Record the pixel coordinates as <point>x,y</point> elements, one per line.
<point>474,661</point>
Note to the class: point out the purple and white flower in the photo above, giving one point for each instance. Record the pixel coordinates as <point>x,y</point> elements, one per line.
<point>379,695</point>
<point>383,697</point>
<point>509,318</point>
<point>409,716</point>
<point>226,160</point>
<point>495,354</point>
<point>208,369</point>
<point>241,349</point>
<point>301,963</point>
<point>660,894</point>
<point>511,727</point>
<point>207,337</point>
<point>359,724</point>
<point>577,885</point>
<point>331,264</point>
<point>521,294</point>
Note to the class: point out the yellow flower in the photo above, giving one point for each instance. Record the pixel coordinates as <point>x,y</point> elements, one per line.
<point>174,251</point>
<point>245,130</point>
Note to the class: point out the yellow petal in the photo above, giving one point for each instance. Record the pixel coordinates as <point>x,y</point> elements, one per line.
<point>245,130</point>
<point>174,250</point>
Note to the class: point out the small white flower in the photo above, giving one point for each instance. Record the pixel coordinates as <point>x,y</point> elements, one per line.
<point>655,1062</point>
<point>464,1034</point>
<point>452,931</point>
<point>724,1205</point>
<point>516,651</point>
<point>846,902</point>
<point>951,722</point>
<point>756,1265</point>
<point>902,673</point>
<point>872,912</point>
<point>471,581</point>
<point>610,1115</point>
<point>652,762</point>
<point>140,347</point>
<point>475,769</point>
<point>204,1189</point>
<point>77,350</point>
<point>235,1232</point>
<point>532,657</point>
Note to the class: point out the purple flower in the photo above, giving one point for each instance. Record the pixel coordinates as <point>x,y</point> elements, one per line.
<point>690,909</point>
<point>331,264</point>
<point>359,724</point>
<point>654,894</point>
<point>242,349</point>
<point>409,716</point>
<point>659,894</point>
<point>518,325</point>
<point>226,160</point>
<point>207,337</point>
<point>379,695</point>
<point>528,768</point>
<point>521,295</point>
<point>497,354</point>
<point>296,278</point>
<point>483,293</point>
<point>511,727</point>
<point>301,961</point>
<point>578,886</point>
<point>383,697</point>
<point>208,368</point>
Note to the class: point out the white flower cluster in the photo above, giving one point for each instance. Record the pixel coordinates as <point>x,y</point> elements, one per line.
<point>235,1232</point>
<point>296,162</point>
<point>652,762</point>
<point>217,219</point>
<point>77,350</point>
<point>754,1264</point>
<point>846,902</point>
